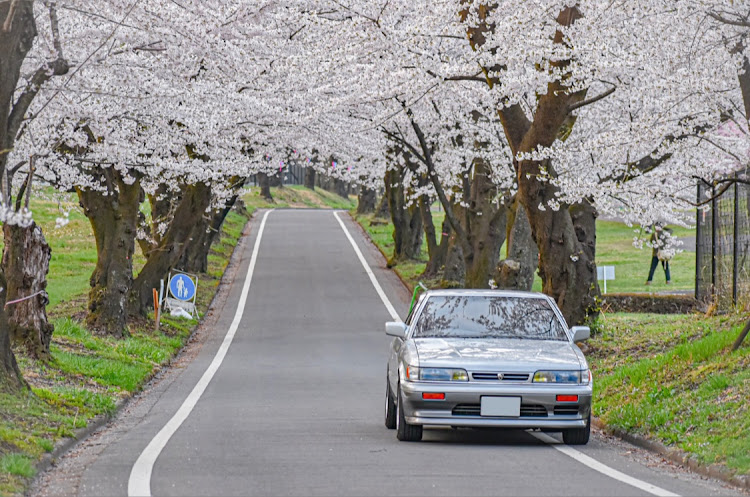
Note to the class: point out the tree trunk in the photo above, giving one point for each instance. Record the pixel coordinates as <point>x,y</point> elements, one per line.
<point>454,272</point>
<point>10,375</point>
<point>486,223</point>
<point>26,257</point>
<point>741,336</point>
<point>341,188</point>
<point>366,200</point>
<point>310,178</point>
<point>265,186</point>
<point>516,272</point>
<point>568,272</point>
<point>382,210</point>
<point>195,257</point>
<point>15,43</point>
<point>114,220</point>
<point>191,208</point>
<point>433,258</point>
<point>407,221</point>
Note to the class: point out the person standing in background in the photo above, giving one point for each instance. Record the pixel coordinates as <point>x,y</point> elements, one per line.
<point>659,237</point>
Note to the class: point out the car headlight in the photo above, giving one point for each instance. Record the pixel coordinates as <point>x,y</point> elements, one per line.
<point>436,374</point>
<point>571,377</point>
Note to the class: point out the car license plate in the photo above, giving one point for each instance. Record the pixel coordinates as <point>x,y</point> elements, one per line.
<point>501,406</point>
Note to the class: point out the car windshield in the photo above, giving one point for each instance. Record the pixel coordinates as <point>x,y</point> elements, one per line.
<point>489,317</point>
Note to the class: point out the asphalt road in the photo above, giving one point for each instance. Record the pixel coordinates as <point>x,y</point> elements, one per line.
<point>295,408</point>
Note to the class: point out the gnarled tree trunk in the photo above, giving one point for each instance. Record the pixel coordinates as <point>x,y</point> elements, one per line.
<point>486,222</point>
<point>193,203</point>
<point>517,270</point>
<point>265,186</point>
<point>114,220</point>
<point>407,221</point>
<point>26,257</point>
<point>205,233</point>
<point>365,200</point>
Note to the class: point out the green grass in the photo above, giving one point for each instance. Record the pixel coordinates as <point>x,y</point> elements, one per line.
<point>672,378</point>
<point>88,374</point>
<point>297,196</point>
<point>16,464</point>
<point>614,246</point>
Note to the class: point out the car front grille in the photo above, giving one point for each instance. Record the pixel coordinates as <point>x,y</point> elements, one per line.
<point>500,376</point>
<point>527,410</point>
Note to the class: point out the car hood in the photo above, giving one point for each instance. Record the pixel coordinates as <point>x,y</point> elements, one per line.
<point>496,354</point>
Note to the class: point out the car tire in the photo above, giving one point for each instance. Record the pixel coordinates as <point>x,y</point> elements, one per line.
<point>404,431</point>
<point>390,406</point>
<point>578,436</point>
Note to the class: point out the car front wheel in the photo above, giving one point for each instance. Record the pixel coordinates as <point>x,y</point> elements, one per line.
<point>404,431</point>
<point>390,406</point>
<point>578,436</point>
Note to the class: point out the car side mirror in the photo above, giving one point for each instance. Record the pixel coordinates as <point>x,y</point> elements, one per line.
<point>580,333</point>
<point>396,329</point>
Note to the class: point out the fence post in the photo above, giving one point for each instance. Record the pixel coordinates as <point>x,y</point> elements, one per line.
<point>698,252</point>
<point>714,223</point>
<point>735,256</point>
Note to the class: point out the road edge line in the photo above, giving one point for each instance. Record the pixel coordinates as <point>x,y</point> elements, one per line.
<point>139,482</point>
<point>603,468</point>
<point>368,270</point>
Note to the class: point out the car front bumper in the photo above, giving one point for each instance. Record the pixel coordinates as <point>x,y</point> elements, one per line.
<point>461,406</point>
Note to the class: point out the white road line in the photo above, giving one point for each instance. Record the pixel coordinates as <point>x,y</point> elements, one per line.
<point>139,483</point>
<point>369,272</point>
<point>565,449</point>
<point>603,468</point>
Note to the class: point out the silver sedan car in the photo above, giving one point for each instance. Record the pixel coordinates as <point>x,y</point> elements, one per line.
<point>487,358</point>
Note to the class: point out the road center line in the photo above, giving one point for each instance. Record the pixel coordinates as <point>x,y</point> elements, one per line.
<point>565,449</point>
<point>373,279</point>
<point>139,483</point>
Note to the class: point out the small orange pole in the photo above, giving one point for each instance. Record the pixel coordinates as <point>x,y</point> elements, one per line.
<point>156,307</point>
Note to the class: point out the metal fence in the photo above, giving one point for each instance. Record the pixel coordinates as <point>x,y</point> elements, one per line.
<point>723,246</point>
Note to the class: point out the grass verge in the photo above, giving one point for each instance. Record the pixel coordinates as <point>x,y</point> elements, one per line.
<point>673,379</point>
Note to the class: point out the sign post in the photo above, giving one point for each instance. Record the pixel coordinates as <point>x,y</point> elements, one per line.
<point>182,291</point>
<point>605,273</point>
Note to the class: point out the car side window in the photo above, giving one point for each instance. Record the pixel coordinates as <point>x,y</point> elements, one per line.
<point>410,317</point>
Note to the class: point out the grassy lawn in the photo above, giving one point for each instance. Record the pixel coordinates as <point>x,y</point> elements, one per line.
<point>297,196</point>
<point>614,247</point>
<point>672,378</point>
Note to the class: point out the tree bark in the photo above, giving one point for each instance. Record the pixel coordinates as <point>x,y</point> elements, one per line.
<point>16,42</point>
<point>114,220</point>
<point>516,271</point>
<point>407,221</point>
<point>341,188</point>
<point>365,200</point>
<point>195,257</point>
<point>192,206</point>
<point>486,221</point>
<point>26,257</point>
<point>310,178</point>
<point>265,186</point>
<point>383,210</point>
<point>741,336</point>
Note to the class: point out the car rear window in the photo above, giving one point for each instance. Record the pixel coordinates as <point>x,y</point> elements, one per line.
<point>489,317</point>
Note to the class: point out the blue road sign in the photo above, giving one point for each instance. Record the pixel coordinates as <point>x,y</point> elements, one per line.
<point>182,287</point>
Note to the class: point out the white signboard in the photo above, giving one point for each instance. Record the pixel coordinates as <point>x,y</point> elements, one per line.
<point>605,273</point>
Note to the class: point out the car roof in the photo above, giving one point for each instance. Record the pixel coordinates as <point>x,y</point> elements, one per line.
<point>468,292</point>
